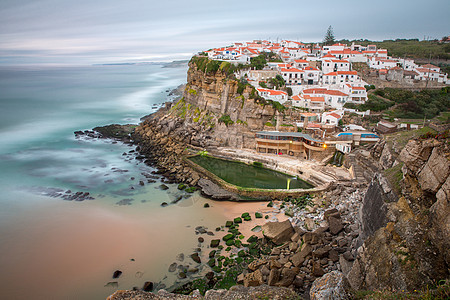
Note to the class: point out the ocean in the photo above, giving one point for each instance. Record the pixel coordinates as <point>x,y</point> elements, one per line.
<point>53,248</point>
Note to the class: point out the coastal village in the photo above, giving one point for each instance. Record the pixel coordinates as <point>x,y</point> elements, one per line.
<point>322,83</point>
<point>341,199</point>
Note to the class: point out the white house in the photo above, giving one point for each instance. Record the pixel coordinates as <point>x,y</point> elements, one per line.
<point>333,98</point>
<point>408,64</point>
<point>382,53</point>
<point>334,65</point>
<point>341,54</point>
<point>357,56</point>
<point>331,118</point>
<point>356,94</point>
<point>340,77</point>
<point>292,76</point>
<point>311,75</point>
<point>427,74</point>
<point>297,53</point>
<point>335,47</point>
<point>312,103</point>
<point>274,95</point>
<point>301,63</point>
<point>431,67</point>
<point>382,63</point>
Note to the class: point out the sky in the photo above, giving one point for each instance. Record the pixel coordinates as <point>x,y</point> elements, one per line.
<point>115,31</point>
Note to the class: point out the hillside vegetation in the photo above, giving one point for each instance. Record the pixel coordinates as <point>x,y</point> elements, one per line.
<point>399,103</point>
<point>412,48</point>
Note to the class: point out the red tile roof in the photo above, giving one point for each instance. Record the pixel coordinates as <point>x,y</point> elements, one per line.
<point>291,70</point>
<point>334,115</point>
<point>272,92</point>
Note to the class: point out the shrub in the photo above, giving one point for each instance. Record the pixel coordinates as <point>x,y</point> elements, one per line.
<point>226,120</point>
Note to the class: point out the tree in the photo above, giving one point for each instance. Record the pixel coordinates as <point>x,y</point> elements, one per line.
<point>329,37</point>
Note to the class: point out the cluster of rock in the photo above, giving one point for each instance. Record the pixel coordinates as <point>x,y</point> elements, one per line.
<point>299,257</point>
<point>165,151</point>
<point>113,131</point>
<point>68,195</point>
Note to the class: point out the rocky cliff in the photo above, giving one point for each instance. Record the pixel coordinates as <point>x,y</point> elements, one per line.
<point>215,110</point>
<point>408,230</point>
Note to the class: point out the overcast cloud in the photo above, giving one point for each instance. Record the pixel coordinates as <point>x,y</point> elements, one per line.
<point>103,31</point>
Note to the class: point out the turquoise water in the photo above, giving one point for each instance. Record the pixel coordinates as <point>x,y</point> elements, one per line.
<point>247,176</point>
<point>57,249</point>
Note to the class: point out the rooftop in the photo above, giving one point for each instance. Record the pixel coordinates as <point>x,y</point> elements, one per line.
<point>290,134</point>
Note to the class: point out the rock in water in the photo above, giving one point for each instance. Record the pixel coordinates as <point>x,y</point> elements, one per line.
<point>148,286</point>
<point>278,232</point>
<point>332,285</point>
<point>173,267</point>
<point>117,274</point>
<point>196,258</point>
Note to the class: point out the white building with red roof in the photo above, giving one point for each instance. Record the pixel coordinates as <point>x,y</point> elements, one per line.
<point>382,63</point>
<point>356,94</point>
<point>335,47</point>
<point>274,95</point>
<point>292,76</point>
<point>297,53</point>
<point>300,63</point>
<point>333,65</point>
<point>340,77</point>
<point>333,98</point>
<point>331,118</point>
<point>311,75</point>
<point>427,74</point>
<point>314,104</point>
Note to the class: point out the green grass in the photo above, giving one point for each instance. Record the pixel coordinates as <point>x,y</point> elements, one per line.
<point>402,137</point>
<point>394,175</point>
<point>444,117</point>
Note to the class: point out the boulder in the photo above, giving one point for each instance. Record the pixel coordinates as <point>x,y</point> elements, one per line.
<point>278,232</point>
<point>287,277</point>
<point>196,258</point>
<point>322,252</point>
<point>117,274</point>
<point>317,269</point>
<point>299,257</point>
<point>173,267</point>
<point>253,279</point>
<point>415,154</point>
<point>435,172</point>
<point>274,276</point>
<point>335,225</point>
<point>312,238</point>
<point>214,243</point>
<point>332,286</point>
<point>148,286</point>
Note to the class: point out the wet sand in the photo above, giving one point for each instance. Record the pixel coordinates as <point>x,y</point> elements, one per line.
<point>69,250</point>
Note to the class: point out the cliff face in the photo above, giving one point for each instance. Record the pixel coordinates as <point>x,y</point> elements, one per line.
<point>409,238</point>
<point>214,95</point>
